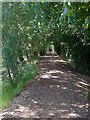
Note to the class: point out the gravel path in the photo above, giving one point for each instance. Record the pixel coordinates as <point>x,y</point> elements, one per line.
<point>57,92</point>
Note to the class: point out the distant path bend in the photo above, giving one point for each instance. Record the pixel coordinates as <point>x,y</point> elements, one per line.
<point>57,92</point>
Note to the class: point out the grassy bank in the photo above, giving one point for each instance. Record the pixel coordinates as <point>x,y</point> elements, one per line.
<point>8,92</point>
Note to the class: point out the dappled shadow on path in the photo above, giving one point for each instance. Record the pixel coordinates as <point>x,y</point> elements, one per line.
<point>57,92</point>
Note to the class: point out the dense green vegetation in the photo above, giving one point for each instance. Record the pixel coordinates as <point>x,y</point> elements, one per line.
<point>28,30</point>
<point>8,91</point>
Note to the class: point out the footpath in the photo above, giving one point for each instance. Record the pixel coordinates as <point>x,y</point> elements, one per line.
<point>58,91</point>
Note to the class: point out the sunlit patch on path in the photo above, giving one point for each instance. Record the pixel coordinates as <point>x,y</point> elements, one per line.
<point>57,92</point>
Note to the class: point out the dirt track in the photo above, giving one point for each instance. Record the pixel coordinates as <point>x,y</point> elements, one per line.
<point>57,92</point>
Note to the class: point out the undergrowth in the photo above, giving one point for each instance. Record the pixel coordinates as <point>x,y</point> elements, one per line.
<point>9,92</point>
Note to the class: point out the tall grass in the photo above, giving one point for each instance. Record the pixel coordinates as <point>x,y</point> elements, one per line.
<point>8,92</point>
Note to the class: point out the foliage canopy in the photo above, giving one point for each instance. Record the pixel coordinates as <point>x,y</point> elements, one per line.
<point>29,28</point>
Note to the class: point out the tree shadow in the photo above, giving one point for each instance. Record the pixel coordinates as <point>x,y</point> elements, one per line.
<point>57,92</point>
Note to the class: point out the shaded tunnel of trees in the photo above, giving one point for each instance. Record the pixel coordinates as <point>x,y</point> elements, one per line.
<point>30,28</point>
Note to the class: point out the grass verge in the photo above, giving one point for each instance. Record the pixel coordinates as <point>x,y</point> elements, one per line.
<point>8,92</point>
